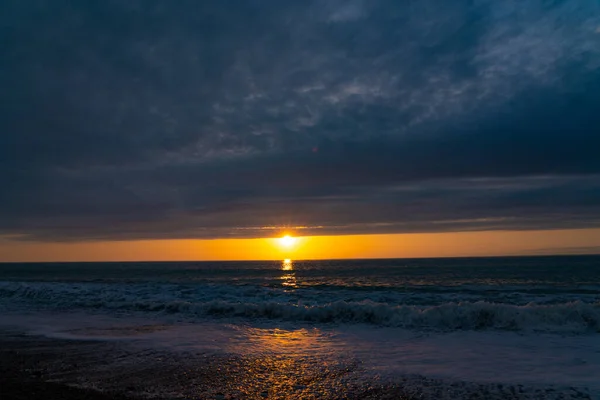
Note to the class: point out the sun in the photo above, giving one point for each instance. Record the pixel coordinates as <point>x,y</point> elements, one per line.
<point>287,241</point>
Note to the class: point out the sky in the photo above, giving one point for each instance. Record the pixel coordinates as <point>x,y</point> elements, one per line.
<point>154,129</point>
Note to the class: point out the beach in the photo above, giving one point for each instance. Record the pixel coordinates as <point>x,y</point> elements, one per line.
<point>35,367</point>
<point>126,364</point>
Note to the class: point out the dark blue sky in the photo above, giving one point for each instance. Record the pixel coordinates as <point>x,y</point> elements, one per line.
<point>172,119</point>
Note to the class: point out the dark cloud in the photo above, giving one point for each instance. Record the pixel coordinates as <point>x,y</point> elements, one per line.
<point>149,119</point>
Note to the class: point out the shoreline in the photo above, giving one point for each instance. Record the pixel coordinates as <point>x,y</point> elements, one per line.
<point>38,367</point>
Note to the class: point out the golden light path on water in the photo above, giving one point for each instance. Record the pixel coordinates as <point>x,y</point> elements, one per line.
<point>293,362</point>
<point>289,277</point>
<point>287,265</point>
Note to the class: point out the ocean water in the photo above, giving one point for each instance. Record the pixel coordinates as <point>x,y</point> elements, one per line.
<point>515,320</point>
<point>537,294</point>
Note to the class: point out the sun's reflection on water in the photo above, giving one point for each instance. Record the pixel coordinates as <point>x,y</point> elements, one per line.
<point>290,342</point>
<point>296,363</point>
<point>287,265</point>
<point>286,360</point>
<point>288,278</point>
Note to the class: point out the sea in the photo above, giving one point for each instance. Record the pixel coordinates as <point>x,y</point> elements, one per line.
<point>434,327</point>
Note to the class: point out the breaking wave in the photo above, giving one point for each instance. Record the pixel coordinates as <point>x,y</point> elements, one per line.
<point>210,302</point>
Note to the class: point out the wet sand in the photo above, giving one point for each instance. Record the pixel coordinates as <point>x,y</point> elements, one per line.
<point>24,388</point>
<point>36,367</point>
<point>23,378</point>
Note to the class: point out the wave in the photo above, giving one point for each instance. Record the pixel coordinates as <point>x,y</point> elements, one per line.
<point>576,317</point>
<point>255,303</point>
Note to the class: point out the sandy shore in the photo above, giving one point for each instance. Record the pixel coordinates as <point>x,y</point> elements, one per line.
<point>24,376</point>
<point>24,388</point>
<point>22,379</point>
<point>35,367</point>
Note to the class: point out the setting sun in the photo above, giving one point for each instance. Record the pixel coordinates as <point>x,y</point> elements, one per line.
<point>287,241</point>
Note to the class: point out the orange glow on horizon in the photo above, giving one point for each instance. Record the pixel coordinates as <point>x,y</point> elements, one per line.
<point>457,244</point>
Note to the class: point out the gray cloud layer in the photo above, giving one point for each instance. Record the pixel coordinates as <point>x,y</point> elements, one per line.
<point>151,119</point>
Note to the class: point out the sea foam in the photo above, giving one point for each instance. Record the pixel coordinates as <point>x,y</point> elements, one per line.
<point>207,301</point>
